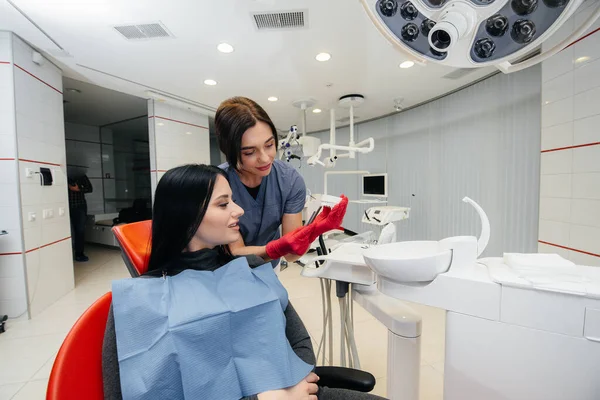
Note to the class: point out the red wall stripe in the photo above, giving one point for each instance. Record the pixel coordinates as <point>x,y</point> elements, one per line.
<point>569,248</point>
<point>46,245</point>
<point>39,162</point>
<point>45,83</point>
<point>31,161</point>
<point>4,62</point>
<point>35,248</point>
<point>10,254</point>
<point>179,122</point>
<point>572,147</point>
<point>583,37</point>
<point>158,170</point>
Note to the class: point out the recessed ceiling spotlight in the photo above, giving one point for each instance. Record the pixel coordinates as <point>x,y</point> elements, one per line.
<point>210,82</point>
<point>323,57</point>
<point>407,64</point>
<point>582,59</point>
<point>71,90</point>
<point>317,110</point>
<point>225,48</point>
<point>160,124</point>
<point>272,98</point>
<point>188,133</point>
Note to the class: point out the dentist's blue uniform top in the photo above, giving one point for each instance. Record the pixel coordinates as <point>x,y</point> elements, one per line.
<point>283,191</point>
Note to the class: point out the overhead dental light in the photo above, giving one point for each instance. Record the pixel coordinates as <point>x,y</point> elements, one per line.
<point>475,33</point>
<point>366,146</point>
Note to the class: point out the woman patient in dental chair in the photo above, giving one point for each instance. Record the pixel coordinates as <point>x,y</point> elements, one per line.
<point>206,325</point>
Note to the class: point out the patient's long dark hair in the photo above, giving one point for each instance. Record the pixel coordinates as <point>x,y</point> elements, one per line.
<point>180,202</point>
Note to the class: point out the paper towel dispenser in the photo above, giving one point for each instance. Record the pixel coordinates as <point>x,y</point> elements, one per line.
<point>45,177</point>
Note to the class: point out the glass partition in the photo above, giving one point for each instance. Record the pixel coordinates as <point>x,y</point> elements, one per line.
<point>126,165</point>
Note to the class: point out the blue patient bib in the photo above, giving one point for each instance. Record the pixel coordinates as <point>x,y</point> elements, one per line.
<point>204,334</point>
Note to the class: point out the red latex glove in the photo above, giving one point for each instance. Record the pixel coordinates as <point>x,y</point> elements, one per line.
<point>330,219</point>
<point>295,242</point>
<point>322,215</point>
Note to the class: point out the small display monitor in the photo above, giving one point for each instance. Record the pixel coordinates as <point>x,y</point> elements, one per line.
<point>375,185</point>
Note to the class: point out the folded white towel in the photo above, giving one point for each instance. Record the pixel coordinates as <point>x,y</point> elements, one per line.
<point>536,261</point>
<point>543,269</point>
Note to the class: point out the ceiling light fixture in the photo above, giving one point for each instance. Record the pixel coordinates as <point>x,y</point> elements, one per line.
<point>72,90</point>
<point>582,59</point>
<point>323,57</point>
<point>398,103</point>
<point>317,110</point>
<point>225,48</point>
<point>188,133</point>
<point>272,98</point>
<point>210,82</point>
<point>160,124</point>
<point>407,64</point>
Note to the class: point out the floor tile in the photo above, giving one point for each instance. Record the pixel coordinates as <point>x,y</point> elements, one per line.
<point>33,390</point>
<point>8,391</point>
<point>44,372</point>
<point>432,384</point>
<point>26,356</point>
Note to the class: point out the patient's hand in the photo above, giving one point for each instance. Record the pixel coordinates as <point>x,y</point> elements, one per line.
<point>305,390</point>
<point>312,378</point>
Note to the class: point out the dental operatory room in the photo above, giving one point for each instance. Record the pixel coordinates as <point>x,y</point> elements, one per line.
<point>300,199</point>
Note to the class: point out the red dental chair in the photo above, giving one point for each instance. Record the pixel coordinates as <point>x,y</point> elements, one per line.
<point>77,370</point>
<point>134,240</point>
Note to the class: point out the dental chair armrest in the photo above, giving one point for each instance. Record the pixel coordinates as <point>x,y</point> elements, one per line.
<point>345,378</point>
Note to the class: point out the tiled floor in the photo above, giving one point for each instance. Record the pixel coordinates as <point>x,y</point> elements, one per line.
<point>28,348</point>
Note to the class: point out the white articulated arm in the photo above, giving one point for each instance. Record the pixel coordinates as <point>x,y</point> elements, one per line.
<point>359,147</point>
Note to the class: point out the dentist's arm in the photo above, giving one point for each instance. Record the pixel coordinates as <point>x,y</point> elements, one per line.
<point>289,223</point>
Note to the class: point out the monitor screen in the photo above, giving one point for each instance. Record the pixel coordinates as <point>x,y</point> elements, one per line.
<point>375,185</point>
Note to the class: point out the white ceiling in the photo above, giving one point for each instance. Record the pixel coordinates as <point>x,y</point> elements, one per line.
<point>97,106</point>
<point>273,63</point>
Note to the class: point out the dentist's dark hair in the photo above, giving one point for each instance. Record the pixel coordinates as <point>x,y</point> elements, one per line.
<point>234,117</point>
<point>181,199</point>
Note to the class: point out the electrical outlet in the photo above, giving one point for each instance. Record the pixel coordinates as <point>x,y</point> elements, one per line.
<point>48,213</point>
<point>29,173</point>
<point>61,211</point>
<point>31,217</point>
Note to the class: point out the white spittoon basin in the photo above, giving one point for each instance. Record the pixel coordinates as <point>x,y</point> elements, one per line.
<point>414,261</point>
<point>422,261</point>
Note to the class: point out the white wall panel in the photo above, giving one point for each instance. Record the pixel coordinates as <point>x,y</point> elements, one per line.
<point>573,173</point>
<point>176,137</point>
<point>482,142</point>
